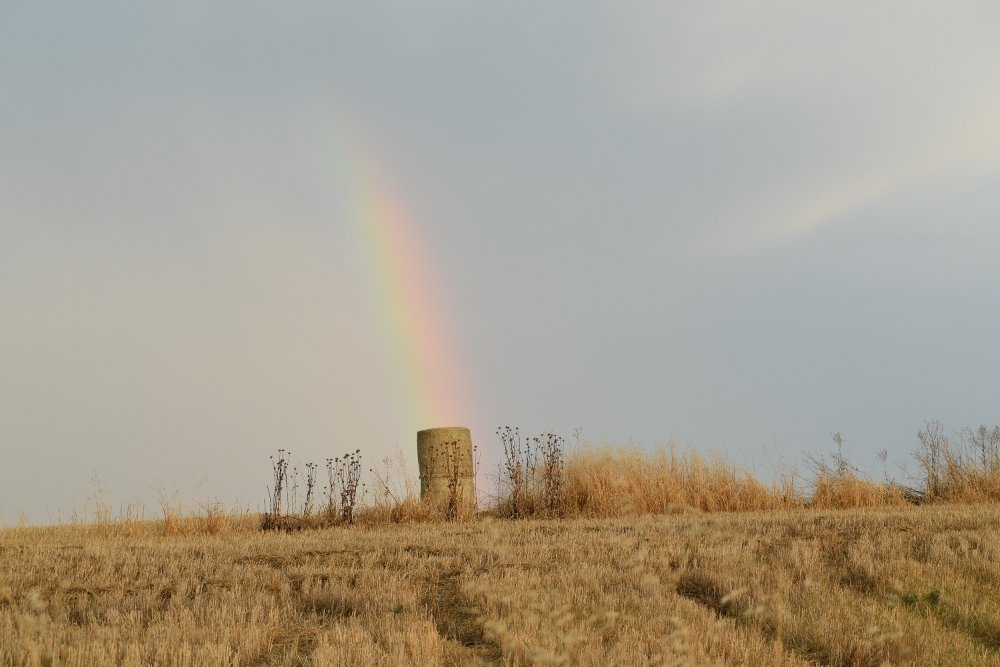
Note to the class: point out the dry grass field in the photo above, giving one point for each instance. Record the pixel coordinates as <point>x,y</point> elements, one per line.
<point>600,556</point>
<point>887,585</point>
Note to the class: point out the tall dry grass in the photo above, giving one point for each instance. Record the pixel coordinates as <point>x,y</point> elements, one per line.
<point>608,482</point>
<point>538,478</point>
<point>851,491</point>
<point>613,481</point>
<point>963,467</point>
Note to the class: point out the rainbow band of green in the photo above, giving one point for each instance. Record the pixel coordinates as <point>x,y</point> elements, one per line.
<point>425,369</point>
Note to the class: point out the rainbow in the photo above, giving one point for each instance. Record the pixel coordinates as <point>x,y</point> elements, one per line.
<point>424,366</point>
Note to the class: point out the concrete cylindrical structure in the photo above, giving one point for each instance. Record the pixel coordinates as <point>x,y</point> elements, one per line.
<point>444,456</point>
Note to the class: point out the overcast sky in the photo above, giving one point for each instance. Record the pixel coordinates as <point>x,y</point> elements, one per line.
<point>736,225</point>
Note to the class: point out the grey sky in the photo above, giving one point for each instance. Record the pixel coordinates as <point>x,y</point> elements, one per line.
<point>737,225</point>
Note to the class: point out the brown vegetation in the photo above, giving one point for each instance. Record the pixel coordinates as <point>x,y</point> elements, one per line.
<point>861,587</point>
<point>621,557</point>
<point>538,478</point>
<point>964,467</point>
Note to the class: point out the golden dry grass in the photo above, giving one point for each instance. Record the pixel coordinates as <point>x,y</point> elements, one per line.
<point>907,585</point>
<point>851,492</point>
<point>611,481</point>
<point>657,558</point>
<point>607,482</point>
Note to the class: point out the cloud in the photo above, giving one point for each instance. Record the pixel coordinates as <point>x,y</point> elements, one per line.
<point>805,115</point>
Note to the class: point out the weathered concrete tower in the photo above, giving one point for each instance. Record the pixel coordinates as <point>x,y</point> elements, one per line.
<point>447,476</point>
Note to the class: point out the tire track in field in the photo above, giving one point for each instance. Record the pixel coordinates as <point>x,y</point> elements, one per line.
<point>459,624</point>
<point>708,592</point>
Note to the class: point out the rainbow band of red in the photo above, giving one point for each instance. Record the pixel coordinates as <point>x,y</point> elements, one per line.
<point>425,369</point>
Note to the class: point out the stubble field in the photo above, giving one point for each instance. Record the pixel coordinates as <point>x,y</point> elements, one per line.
<point>893,585</point>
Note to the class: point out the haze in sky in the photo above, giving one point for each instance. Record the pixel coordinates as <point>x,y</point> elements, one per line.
<point>227,228</point>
